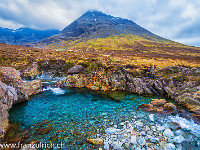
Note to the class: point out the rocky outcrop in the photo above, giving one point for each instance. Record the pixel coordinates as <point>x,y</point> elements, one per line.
<point>8,96</point>
<point>159,106</point>
<point>12,91</point>
<point>183,92</point>
<point>33,87</point>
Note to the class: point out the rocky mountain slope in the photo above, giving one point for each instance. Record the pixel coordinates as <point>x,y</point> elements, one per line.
<point>95,24</point>
<point>23,36</point>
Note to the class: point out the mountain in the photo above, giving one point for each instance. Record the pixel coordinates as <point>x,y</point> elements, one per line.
<point>95,24</point>
<point>23,36</point>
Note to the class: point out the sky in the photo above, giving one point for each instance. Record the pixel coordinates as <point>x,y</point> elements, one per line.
<point>177,20</point>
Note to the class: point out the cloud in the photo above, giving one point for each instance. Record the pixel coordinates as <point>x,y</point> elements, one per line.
<point>168,18</point>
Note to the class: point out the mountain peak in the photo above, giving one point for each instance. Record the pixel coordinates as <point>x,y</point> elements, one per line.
<point>93,13</point>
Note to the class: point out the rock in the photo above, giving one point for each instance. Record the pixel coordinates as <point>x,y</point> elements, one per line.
<point>168,133</point>
<point>149,132</point>
<point>174,125</point>
<point>141,141</point>
<point>143,133</point>
<point>158,102</point>
<point>153,140</point>
<point>75,69</point>
<point>179,139</point>
<point>95,88</point>
<point>33,87</point>
<point>139,123</point>
<point>31,72</point>
<point>44,130</point>
<point>170,146</point>
<point>178,147</point>
<point>133,140</point>
<point>162,128</point>
<point>178,132</point>
<point>171,108</point>
<point>111,131</point>
<point>117,145</point>
<point>95,141</point>
<point>152,117</point>
<point>117,95</point>
<point>34,141</point>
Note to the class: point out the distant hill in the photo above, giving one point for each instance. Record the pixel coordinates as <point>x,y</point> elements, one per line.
<point>95,24</point>
<point>23,36</point>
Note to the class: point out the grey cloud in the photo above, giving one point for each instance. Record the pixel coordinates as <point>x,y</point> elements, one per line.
<point>171,19</point>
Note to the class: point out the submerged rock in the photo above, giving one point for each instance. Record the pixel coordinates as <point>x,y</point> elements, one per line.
<point>95,141</point>
<point>111,131</point>
<point>141,141</point>
<point>44,130</point>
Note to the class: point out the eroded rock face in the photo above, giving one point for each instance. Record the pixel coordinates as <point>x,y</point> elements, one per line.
<point>11,92</point>
<point>8,96</point>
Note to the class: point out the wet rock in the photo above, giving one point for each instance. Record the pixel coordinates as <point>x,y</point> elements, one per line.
<point>111,131</point>
<point>139,123</point>
<point>117,95</point>
<point>153,140</point>
<point>75,69</point>
<point>178,147</point>
<point>143,133</point>
<point>95,141</point>
<point>174,125</point>
<point>133,140</point>
<point>33,87</point>
<point>117,145</point>
<point>158,102</point>
<point>170,146</point>
<point>141,141</point>
<point>152,117</point>
<point>171,108</point>
<point>149,132</point>
<point>162,128</point>
<point>34,141</point>
<point>44,130</point>
<point>168,133</point>
<point>179,139</point>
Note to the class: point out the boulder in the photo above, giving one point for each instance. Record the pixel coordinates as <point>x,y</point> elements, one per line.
<point>75,69</point>
<point>170,146</point>
<point>33,87</point>
<point>168,133</point>
<point>171,108</point>
<point>179,139</point>
<point>158,102</point>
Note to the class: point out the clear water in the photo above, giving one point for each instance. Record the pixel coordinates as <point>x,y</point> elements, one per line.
<point>75,114</point>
